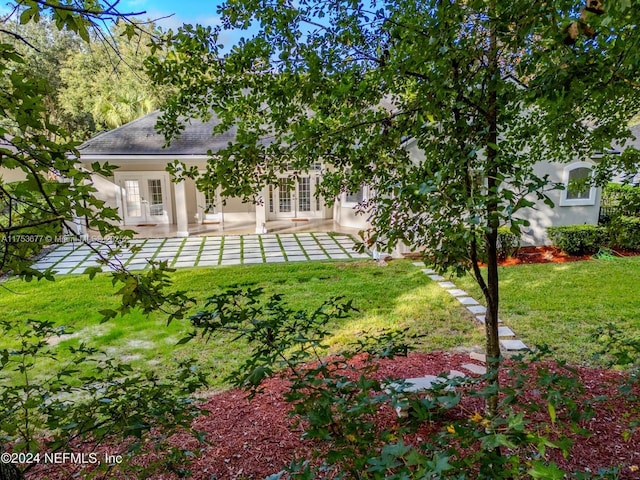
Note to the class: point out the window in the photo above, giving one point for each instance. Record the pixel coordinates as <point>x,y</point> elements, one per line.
<point>578,189</point>
<point>354,197</point>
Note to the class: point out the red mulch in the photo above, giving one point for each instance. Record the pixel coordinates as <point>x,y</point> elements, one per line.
<point>252,439</point>
<point>546,254</point>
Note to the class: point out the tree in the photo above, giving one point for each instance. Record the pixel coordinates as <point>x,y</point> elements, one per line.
<point>478,90</point>
<point>45,49</point>
<point>42,190</point>
<point>111,87</point>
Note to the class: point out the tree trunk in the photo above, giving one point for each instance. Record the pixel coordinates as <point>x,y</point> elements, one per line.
<point>8,471</point>
<point>493,219</point>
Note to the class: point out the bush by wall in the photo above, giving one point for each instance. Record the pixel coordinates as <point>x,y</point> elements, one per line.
<point>508,243</point>
<point>619,200</point>
<point>577,239</point>
<point>625,232</point>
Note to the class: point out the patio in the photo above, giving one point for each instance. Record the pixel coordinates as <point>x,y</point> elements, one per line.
<point>243,228</point>
<point>208,251</point>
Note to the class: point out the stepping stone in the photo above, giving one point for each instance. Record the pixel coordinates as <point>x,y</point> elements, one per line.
<point>339,256</point>
<point>207,263</point>
<point>321,256</point>
<point>230,261</point>
<point>480,357</point>
<point>456,374</point>
<point>253,260</point>
<point>482,318</point>
<point>185,258</point>
<point>513,345</point>
<point>429,271</point>
<point>141,266</point>
<point>505,332</point>
<point>66,265</point>
<point>474,368</point>
<point>415,385</point>
<point>447,285</point>
<point>467,300</point>
<point>274,259</point>
<point>418,384</point>
<point>418,264</point>
<point>477,309</point>
<point>436,278</point>
<point>164,258</point>
<point>62,271</point>
<point>296,258</point>
<point>456,292</point>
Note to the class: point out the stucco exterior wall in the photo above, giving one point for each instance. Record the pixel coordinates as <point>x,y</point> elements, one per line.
<point>541,216</point>
<point>345,216</point>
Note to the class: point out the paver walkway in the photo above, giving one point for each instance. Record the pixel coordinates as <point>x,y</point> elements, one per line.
<point>210,251</point>
<point>507,339</point>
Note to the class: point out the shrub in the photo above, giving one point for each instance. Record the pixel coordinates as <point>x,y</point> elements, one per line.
<point>625,232</point>
<point>508,242</point>
<point>339,400</point>
<point>577,239</point>
<point>619,200</point>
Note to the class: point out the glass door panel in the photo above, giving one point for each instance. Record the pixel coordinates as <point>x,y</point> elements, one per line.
<point>284,195</point>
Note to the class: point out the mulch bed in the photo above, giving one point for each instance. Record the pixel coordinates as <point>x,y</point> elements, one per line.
<point>546,254</point>
<point>250,439</point>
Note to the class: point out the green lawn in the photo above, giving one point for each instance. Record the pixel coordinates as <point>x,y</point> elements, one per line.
<point>561,304</point>
<point>398,295</point>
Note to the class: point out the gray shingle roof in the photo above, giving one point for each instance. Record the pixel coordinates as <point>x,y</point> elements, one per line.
<point>635,131</point>
<point>139,137</point>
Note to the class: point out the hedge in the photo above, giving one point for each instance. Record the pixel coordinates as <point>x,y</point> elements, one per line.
<point>625,232</point>
<point>577,239</point>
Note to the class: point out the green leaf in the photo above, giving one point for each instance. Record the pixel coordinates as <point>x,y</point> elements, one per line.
<point>546,472</point>
<point>552,412</point>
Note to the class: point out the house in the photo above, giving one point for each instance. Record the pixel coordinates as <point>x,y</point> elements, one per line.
<point>142,191</point>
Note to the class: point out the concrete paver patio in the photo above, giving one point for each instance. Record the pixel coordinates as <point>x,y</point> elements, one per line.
<point>210,251</point>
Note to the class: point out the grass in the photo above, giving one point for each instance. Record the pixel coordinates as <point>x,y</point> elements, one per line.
<point>561,304</point>
<point>397,296</point>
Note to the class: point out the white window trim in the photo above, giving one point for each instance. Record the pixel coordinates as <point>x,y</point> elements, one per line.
<point>574,202</point>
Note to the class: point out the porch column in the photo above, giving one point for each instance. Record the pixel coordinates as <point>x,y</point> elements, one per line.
<point>182,220</point>
<point>261,213</point>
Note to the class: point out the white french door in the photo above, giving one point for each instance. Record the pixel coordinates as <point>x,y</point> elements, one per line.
<point>144,198</point>
<point>294,197</point>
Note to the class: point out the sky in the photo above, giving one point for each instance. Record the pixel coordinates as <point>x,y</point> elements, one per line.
<point>183,11</point>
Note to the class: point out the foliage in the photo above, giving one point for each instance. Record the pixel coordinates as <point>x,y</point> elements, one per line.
<point>44,195</point>
<point>621,200</point>
<point>107,82</point>
<point>111,405</point>
<point>338,399</point>
<point>620,348</point>
<point>410,301</point>
<point>624,232</point>
<point>441,108</point>
<point>45,49</point>
<point>508,242</point>
<point>577,239</point>
<point>559,304</point>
